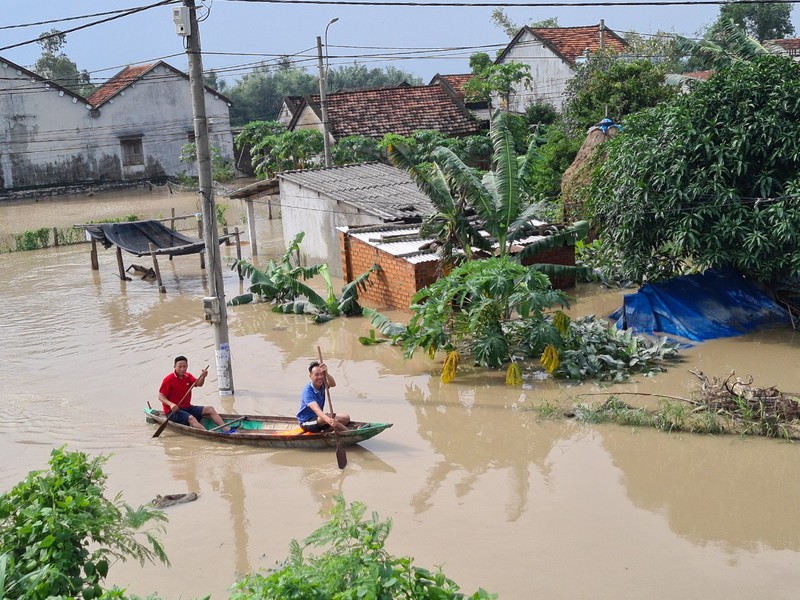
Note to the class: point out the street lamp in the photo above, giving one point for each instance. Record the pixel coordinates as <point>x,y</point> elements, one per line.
<point>323,88</point>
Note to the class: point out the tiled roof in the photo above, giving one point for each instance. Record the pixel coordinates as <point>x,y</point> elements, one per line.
<point>380,190</point>
<point>402,110</point>
<point>699,74</point>
<point>129,75</point>
<point>117,83</point>
<point>456,82</point>
<point>572,42</point>
<point>788,44</point>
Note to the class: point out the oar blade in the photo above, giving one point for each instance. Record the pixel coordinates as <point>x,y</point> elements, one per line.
<point>341,455</point>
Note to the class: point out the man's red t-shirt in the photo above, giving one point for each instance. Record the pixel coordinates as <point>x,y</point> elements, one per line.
<point>174,389</point>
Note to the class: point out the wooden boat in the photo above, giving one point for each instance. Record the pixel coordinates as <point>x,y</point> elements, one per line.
<point>270,432</point>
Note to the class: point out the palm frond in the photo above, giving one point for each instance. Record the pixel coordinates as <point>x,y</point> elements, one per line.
<point>348,302</point>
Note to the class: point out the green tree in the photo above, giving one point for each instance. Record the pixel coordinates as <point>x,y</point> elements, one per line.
<point>274,149</point>
<point>490,78</point>
<point>354,564</point>
<point>355,149</point>
<point>258,95</point>
<point>56,66</point>
<point>502,20</point>
<point>710,179</point>
<point>60,534</point>
<point>761,21</point>
<point>608,85</point>
<point>358,76</point>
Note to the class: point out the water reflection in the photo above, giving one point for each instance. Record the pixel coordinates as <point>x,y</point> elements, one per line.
<point>473,434</point>
<point>713,492</point>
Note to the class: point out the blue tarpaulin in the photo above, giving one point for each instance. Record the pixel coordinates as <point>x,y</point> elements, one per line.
<point>714,304</point>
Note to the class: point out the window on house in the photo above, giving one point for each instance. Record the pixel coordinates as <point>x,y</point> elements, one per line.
<point>132,153</point>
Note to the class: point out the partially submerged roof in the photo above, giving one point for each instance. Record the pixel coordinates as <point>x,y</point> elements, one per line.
<point>377,189</point>
<point>570,43</point>
<point>129,76</point>
<point>400,241</point>
<point>401,109</point>
<point>136,236</point>
<point>404,241</point>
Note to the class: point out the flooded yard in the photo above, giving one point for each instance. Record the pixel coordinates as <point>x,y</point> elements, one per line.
<point>473,479</point>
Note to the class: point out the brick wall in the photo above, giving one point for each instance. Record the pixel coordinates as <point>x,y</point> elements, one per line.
<point>564,255</point>
<point>394,285</point>
<point>399,280</point>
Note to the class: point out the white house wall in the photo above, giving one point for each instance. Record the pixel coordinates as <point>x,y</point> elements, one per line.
<point>38,127</point>
<point>549,74</point>
<point>303,209</point>
<point>49,137</point>
<point>158,107</point>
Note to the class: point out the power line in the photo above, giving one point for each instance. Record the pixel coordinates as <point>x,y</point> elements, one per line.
<point>78,18</point>
<point>399,3</point>
<point>92,24</point>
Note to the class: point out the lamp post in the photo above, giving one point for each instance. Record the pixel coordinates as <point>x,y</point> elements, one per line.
<point>323,89</point>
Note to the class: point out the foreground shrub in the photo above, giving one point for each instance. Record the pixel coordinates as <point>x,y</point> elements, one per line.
<point>355,565</point>
<point>59,534</point>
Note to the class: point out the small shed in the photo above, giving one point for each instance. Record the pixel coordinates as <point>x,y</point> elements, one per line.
<point>319,201</point>
<point>410,262</point>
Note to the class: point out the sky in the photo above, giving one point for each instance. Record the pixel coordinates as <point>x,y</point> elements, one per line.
<point>236,34</point>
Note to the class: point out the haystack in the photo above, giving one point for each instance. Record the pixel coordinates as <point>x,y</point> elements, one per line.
<point>577,177</point>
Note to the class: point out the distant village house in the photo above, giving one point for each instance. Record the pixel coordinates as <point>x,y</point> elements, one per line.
<point>132,128</point>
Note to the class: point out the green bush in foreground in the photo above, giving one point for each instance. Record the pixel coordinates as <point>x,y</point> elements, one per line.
<point>354,566</point>
<point>59,534</point>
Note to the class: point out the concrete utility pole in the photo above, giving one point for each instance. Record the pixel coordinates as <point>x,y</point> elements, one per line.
<point>323,89</point>
<point>213,305</point>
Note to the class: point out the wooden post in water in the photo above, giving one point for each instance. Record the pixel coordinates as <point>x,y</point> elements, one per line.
<point>238,251</point>
<point>161,287</point>
<point>93,256</point>
<point>251,227</point>
<point>172,223</point>
<point>121,266</point>
<point>55,237</point>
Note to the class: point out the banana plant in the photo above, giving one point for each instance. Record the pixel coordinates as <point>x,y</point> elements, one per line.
<point>282,284</point>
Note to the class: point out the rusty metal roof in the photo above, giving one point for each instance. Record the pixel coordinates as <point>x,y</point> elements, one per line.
<point>376,189</point>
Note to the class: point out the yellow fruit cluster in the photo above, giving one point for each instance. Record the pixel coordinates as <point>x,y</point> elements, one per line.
<point>561,322</point>
<point>549,359</point>
<point>450,364</point>
<point>513,374</point>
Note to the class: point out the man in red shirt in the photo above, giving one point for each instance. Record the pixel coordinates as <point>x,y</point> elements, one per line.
<point>176,397</point>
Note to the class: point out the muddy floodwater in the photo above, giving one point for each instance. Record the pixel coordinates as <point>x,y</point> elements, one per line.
<point>472,478</point>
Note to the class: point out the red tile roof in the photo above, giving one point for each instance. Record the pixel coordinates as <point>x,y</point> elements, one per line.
<point>700,74</point>
<point>120,81</point>
<point>572,42</point>
<point>788,44</point>
<point>401,110</point>
<point>457,81</point>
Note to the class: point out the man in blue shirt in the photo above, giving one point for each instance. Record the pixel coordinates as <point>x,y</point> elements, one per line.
<point>312,417</point>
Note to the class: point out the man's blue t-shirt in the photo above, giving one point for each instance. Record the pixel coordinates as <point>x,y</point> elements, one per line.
<point>310,394</point>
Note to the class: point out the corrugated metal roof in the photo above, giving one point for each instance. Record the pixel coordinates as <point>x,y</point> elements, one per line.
<point>400,242</point>
<point>376,189</point>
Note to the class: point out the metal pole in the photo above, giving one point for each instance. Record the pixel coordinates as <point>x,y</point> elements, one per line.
<point>216,311</point>
<point>323,85</point>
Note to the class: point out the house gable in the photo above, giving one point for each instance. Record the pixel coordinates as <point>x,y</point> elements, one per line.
<point>551,54</point>
<point>401,110</point>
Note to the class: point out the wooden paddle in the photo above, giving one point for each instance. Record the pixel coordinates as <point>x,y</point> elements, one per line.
<point>170,413</point>
<point>341,454</point>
